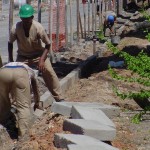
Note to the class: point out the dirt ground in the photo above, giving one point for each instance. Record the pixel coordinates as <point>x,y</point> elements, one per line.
<point>96,88</point>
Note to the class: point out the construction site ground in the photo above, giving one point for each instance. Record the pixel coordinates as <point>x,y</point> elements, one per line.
<point>97,87</point>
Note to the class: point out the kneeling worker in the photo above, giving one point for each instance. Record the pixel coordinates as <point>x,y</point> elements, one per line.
<point>109,20</point>
<point>16,78</point>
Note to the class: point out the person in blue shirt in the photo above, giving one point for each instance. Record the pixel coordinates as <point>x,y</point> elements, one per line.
<point>109,20</point>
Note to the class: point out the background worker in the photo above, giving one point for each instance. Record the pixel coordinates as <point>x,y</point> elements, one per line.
<point>16,78</point>
<point>109,20</point>
<point>29,35</point>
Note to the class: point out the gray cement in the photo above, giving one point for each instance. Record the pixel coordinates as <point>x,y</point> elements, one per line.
<point>64,108</point>
<point>91,128</point>
<point>79,112</point>
<point>62,140</point>
<point>90,147</point>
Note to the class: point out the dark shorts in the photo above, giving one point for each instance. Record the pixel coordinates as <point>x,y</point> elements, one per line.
<point>109,25</point>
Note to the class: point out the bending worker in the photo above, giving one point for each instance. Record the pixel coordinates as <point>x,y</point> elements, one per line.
<point>109,20</point>
<point>29,35</point>
<point>16,78</point>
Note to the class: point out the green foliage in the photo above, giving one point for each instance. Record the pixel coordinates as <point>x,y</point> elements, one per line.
<point>138,117</point>
<point>148,35</point>
<point>140,65</point>
<point>100,35</point>
<point>114,74</point>
<point>147,17</point>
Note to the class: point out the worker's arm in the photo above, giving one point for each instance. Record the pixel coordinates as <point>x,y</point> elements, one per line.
<point>36,93</point>
<point>43,58</point>
<point>10,52</point>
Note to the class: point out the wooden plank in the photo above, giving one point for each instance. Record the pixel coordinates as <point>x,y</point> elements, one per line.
<point>11,8</point>
<point>84,20</point>
<point>80,23</point>
<point>89,17</point>
<point>66,22</point>
<point>77,21</point>
<point>58,25</point>
<point>71,29</point>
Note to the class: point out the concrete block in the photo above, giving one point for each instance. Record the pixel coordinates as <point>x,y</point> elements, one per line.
<point>90,147</point>
<point>64,108</point>
<point>62,140</point>
<point>72,77</point>
<point>46,99</point>
<point>91,128</point>
<point>79,112</point>
<point>37,112</point>
<point>61,108</point>
<point>69,80</point>
<point>64,85</point>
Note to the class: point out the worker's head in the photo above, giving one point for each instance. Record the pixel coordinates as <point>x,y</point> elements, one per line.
<point>26,11</point>
<point>111,19</point>
<point>26,14</point>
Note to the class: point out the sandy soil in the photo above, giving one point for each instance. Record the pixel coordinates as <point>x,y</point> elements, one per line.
<point>96,88</point>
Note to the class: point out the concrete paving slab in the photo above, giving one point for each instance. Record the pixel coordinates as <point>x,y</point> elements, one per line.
<point>74,75</point>
<point>64,108</point>
<point>62,140</point>
<point>79,112</point>
<point>46,99</point>
<point>37,112</point>
<point>90,147</point>
<point>91,128</point>
<point>69,80</point>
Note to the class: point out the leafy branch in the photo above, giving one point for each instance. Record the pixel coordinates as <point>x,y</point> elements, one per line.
<point>140,65</point>
<point>115,75</point>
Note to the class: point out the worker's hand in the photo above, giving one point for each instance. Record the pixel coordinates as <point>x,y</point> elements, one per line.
<point>41,65</point>
<point>37,106</point>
